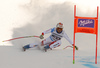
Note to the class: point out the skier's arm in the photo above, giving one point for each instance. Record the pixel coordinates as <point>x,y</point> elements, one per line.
<point>67,38</point>
<point>46,32</point>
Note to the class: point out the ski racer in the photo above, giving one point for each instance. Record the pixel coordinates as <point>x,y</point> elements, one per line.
<point>54,40</point>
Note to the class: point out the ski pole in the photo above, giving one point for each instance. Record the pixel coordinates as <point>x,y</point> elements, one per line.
<point>20,38</point>
<point>68,46</point>
<point>71,47</point>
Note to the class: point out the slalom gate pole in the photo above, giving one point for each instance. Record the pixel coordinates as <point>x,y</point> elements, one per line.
<point>19,38</point>
<point>74,35</point>
<point>96,36</point>
<point>85,29</point>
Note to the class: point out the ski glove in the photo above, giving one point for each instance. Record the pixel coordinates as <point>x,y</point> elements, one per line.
<point>76,47</point>
<point>41,36</point>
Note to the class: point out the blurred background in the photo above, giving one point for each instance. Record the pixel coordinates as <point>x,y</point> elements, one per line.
<point>31,17</point>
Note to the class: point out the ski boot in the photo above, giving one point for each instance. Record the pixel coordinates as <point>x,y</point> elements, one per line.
<point>26,47</point>
<point>46,47</point>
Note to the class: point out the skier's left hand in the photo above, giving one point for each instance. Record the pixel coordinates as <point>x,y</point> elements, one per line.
<point>75,47</point>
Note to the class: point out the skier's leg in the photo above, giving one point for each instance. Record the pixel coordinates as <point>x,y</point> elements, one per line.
<point>30,46</point>
<point>52,45</point>
<point>33,45</point>
<point>46,41</point>
<point>55,44</point>
<point>26,47</point>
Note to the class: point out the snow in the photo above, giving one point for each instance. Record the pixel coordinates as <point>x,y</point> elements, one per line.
<point>31,17</point>
<point>13,57</point>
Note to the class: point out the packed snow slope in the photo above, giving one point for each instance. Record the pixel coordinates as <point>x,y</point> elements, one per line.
<point>31,17</point>
<point>14,57</point>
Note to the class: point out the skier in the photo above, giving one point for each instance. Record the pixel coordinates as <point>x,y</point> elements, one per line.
<point>54,40</point>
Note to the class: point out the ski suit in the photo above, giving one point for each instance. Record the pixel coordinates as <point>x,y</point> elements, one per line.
<point>54,40</point>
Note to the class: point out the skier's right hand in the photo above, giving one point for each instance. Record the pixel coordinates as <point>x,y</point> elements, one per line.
<point>41,37</point>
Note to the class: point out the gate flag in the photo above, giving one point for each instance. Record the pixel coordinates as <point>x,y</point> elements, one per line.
<point>85,25</point>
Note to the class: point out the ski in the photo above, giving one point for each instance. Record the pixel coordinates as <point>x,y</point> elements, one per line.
<point>71,47</point>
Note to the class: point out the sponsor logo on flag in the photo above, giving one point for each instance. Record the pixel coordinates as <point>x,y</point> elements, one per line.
<point>86,23</point>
